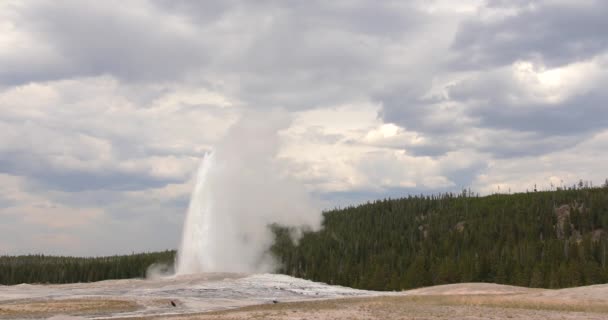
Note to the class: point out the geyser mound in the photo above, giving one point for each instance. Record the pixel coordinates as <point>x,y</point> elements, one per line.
<point>241,189</point>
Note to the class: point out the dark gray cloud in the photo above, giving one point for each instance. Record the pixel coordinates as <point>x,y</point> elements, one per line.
<point>41,171</point>
<point>507,128</point>
<point>509,144</point>
<point>418,114</point>
<point>512,115</point>
<point>509,3</point>
<point>131,43</point>
<point>197,12</point>
<point>357,17</point>
<point>271,54</point>
<point>527,122</point>
<point>551,33</point>
<point>577,116</point>
<point>464,176</point>
<point>6,202</point>
<point>311,55</point>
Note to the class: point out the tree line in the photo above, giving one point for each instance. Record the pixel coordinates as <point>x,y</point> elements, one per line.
<point>549,239</point>
<point>54,269</point>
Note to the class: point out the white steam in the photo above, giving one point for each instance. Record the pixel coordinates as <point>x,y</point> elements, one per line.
<point>240,190</point>
<point>159,270</point>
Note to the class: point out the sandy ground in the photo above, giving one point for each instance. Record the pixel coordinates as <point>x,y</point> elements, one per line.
<point>225,296</point>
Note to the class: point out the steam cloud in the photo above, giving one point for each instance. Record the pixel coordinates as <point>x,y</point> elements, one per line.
<point>240,191</point>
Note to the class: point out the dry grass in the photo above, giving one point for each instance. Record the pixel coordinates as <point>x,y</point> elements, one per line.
<point>507,306</point>
<point>526,304</point>
<point>44,308</point>
<point>520,302</point>
<point>496,301</point>
<point>412,307</point>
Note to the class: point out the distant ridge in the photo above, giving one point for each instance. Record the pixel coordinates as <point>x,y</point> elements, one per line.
<point>549,239</point>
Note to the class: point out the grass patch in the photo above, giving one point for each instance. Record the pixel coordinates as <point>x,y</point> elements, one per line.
<point>509,301</point>
<point>40,308</point>
<point>401,307</point>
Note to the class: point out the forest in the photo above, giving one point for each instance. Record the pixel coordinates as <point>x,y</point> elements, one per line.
<point>50,269</point>
<point>549,239</point>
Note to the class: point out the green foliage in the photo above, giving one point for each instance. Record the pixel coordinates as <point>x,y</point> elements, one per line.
<point>428,240</point>
<point>48,269</point>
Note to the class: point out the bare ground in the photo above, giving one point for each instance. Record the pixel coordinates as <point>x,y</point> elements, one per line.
<point>414,307</point>
<point>457,301</point>
<point>45,308</point>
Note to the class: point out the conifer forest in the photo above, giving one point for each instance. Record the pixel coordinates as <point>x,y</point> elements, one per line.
<point>548,239</point>
<point>52,269</point>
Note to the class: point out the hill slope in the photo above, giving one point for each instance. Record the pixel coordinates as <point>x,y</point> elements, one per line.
<point>540,239</point>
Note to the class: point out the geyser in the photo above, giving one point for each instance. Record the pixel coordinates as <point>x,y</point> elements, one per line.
<point>240,189</point>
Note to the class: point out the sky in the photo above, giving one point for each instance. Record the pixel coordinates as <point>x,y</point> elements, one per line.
<point>108,107</point>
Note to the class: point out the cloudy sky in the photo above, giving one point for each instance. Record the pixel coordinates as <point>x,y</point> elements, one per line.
<point>107,107</point>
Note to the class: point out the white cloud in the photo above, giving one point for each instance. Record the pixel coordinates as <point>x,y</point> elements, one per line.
<point>93,125</point>
<point>562,168</point>
<point>107,108</point>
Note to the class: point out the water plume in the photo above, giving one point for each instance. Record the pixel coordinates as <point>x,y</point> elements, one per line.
<point>239,191</point>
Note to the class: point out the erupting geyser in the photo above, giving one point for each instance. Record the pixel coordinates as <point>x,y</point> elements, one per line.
<point>239,191</point>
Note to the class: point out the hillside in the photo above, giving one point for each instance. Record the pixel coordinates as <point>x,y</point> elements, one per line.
<point>551,239</point>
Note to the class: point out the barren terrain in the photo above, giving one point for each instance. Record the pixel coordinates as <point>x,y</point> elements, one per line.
<point>237,296</point>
